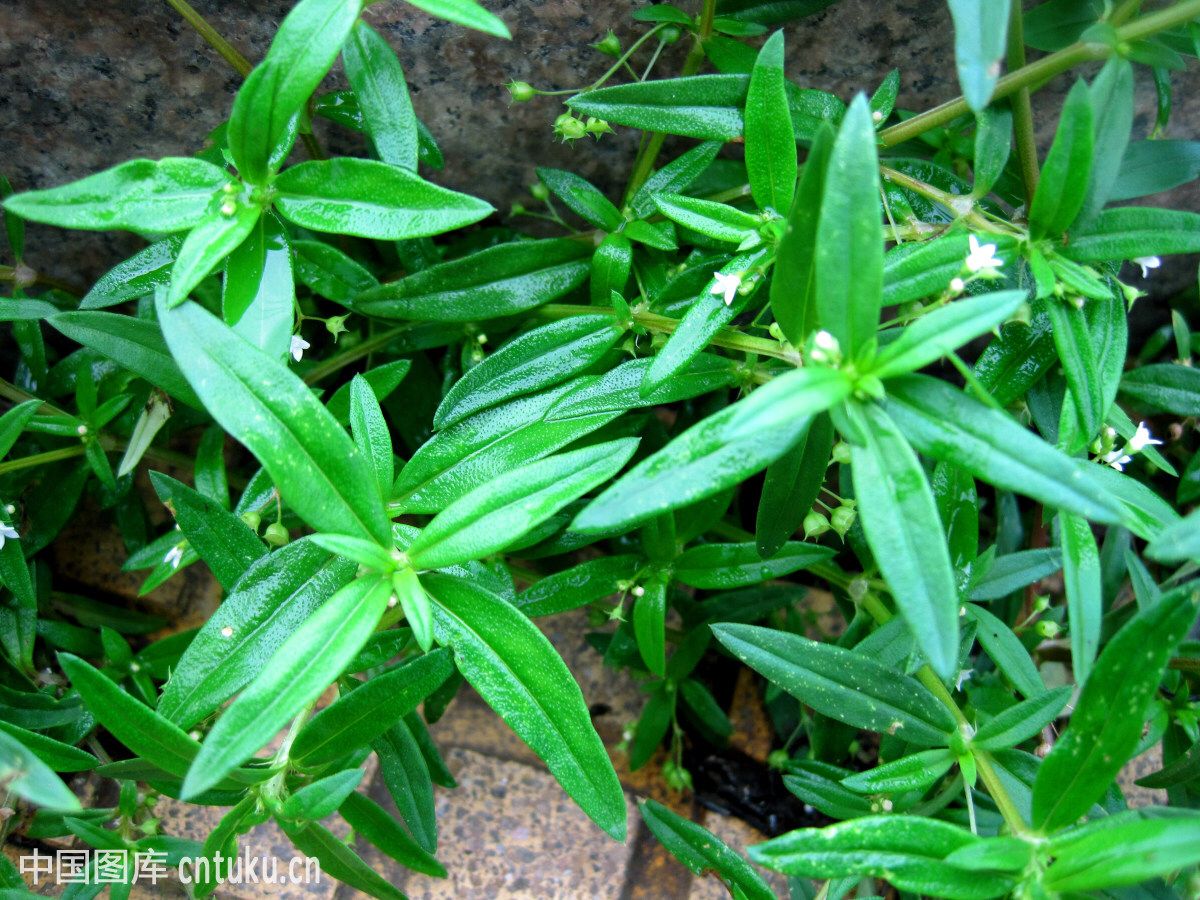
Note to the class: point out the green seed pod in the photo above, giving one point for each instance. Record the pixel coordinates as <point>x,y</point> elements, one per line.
<point>609,45</point>
<point>276,535</point>
<point>521,91</point>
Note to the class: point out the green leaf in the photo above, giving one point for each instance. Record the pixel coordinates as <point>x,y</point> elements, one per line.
<point>724,566</point>
<point>295,675</point>
<point>611,266</point>
<point>844,685</point>
<point>1021,722</point>
<point>23,773</point>
<point>1111,97</point>
<point>1081,581</point>
<point>945,330</point>
<point>322,797</point>
<point>900,519</point>
<point>1151,167</point>
<point>1109,853</point>
<point>171,194</point>
<point>375,824</point>
<point>1180,770</point>
<point>650,625</point>
<point>363,714</point>
<point>327,271</point>
<point>222,539</point>
<point>1014,571</point>
<point>718,452</point>
<point>13,423</point>
<point>980,36</point>
<point>577,586</point>
<point>467,13</point>
<point>382,380</point>
<point>371,199</point>
<point>1164,387</point>
<point>1077,354</point>
<point>58,756</point>
<point>313,463</point>
<point>945,424</point>
<point>791,486</point>
<point>370,432</point>
<point>270,601</point>
<point>365,553</point>
<point>216,236</point>
<point>303,50</point>
<point>793,283</point>
<point>770,141</point>
<point>675,177</point>
<point>909,773</point>
<point>848,261</point>
<point>407,778</point>
<point>1135,231</point>
<point>499,512</point>
<point>337,859</point>
<point>137,276</point>
<point>769,12</point>
<point>537,359</point>
<point>908,851</point>
<point>582,197</point>
<point>260,294</point>
<point>1106,724</point>
<point>1062,187</point>
<point>499,281</point>
<point>137,726</point>
<point>993,144</point>
<point>718,221</point>
<point>1179,543</point>
<point>514,668</point>
<point>374,73</point>
<point>703,852</point>
<point>135,344</point>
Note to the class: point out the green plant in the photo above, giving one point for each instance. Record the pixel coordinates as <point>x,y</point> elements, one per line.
<point>914,325</point>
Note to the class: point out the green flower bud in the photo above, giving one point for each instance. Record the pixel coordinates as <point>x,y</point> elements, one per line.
<point>677,778</point>
<point>1047,628</point>
<point>778,759</point>
<point>609,45</point>
<point>336,325</point>
<point>521,91</point>
<point>597,127</point>
<point>841,452</point>
<point>841,520</point>
<point>539,192</point>
<point>276,535</point>
<point>569,128</point>
<point>670,34</point>
<point>815,524</point>
<point>252,520</point>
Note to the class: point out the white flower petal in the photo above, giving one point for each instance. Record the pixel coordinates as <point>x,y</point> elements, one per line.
<point>298,346</point>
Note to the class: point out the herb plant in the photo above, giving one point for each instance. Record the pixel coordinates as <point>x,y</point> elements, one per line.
<point>915,324</point>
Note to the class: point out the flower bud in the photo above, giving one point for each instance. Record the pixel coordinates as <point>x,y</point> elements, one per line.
<point>1047,628</point>
<point>841,452</point>
<point>521,91</point>
<point>815,524</point>
<point>569,128</point>
<point>677,778</point>
<point>252,520</point>
<point>597,127</point>
<point>336,325</point>
<point>276,535</point>
<point>957,285</point>
<point>539,191</point>
<point>777,759</point>
<point>842,519</point>
<point>670,34</point>
<point>609,45</point>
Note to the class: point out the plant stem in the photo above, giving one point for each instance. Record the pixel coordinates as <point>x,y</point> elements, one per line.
<point>357,352</point>
<point>41,459</point>
<point>1042,70</point>
<point>212,36</point>
<point>8,273</point>
<point>983,761</point>
<point>1022,108</point>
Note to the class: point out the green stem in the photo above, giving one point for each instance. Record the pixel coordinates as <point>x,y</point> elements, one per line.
<point>1022,108</point>
<point>212,36</point>
<point>1042,70</point>
<point>41,459</point>
<point>355,353</point>
<point>8,273</point>
<point>983,761</point>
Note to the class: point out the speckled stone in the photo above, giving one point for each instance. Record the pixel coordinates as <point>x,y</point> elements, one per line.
<point>1137,796</point>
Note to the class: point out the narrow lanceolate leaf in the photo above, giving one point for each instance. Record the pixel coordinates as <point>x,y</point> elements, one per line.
<point>650,625</point>
<point>498,281</point>
<point>215,236</point>
<point>1021,722</point>
<point>900,518</point>
<point>312,461</point>
<point>379,827</point>
<point>260,293</point>
<point>1081,581</point>
<point>498,513</point>
<point>718,221</point>
<point>1063,185</point>
<point>135,344</point>
<point>369,710</point>
<point>299,671</point>
<point>909,773</point>
<point>577,586</point>
<point>849,249</point>
<point>1164,387</point>
<point>703,852</point>
<point>944,331</point>
<point>770,142</point>
<point>1179,543</point>
<point>1107,722</point>
<point>791,486</point>
<point>980,33</point>
<point>1077,354</point>
<point>675,177</point>
<point>327,271</point>
<point>143,195</point>
<point>222,539</point>
<point>908,851</point>
<point>370,432</point>
<point>306,45</point>
<point>582,197</point>
<point>137,276</point>
<point>131,722</point>
<point>724,566</point>
<point>265,607</point>
<point>1111,95</point>
<point>371,199</point>
<point>847,686</point>
<point>537,359</point>
<point>1130,232</point>
<point>338,860</point>
<point>516,670</point>
<point>25,775</point>
<point>467,13</point>
<point>1110,854</point>
<point>718,452</point>
<point>946,424</point>
<point>378,81</point>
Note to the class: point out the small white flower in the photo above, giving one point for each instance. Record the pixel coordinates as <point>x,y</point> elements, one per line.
<point>6,532</point>
<point>1141,439</point>
<point>1117,459</point>
<point>174,556</point>
<point>963,675</point>
<point>982,258</point>
<point>727,285</point>
<point>826,348</point>
<point>957,285</point>
<point>1145,263</point>
<point>299,345</point>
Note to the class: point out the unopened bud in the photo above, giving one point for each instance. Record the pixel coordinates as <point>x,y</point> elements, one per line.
<point>670,34</point>
<point>539,192</point>
<point>842,519</point>
<point>521,91</point>
<point>877,116</point>
<point>252,520</point>
<point>609,45</point>
<point>276,535</point>
<point>1047,628</point>
<point>957,285</point>
<point>777,759</point>
<point>841,452</point>
<point>569,128</point>
<point>597,127</point>
<point>815,524</point>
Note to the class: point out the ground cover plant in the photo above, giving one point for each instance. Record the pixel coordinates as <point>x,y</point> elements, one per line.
<point>816,342</point>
